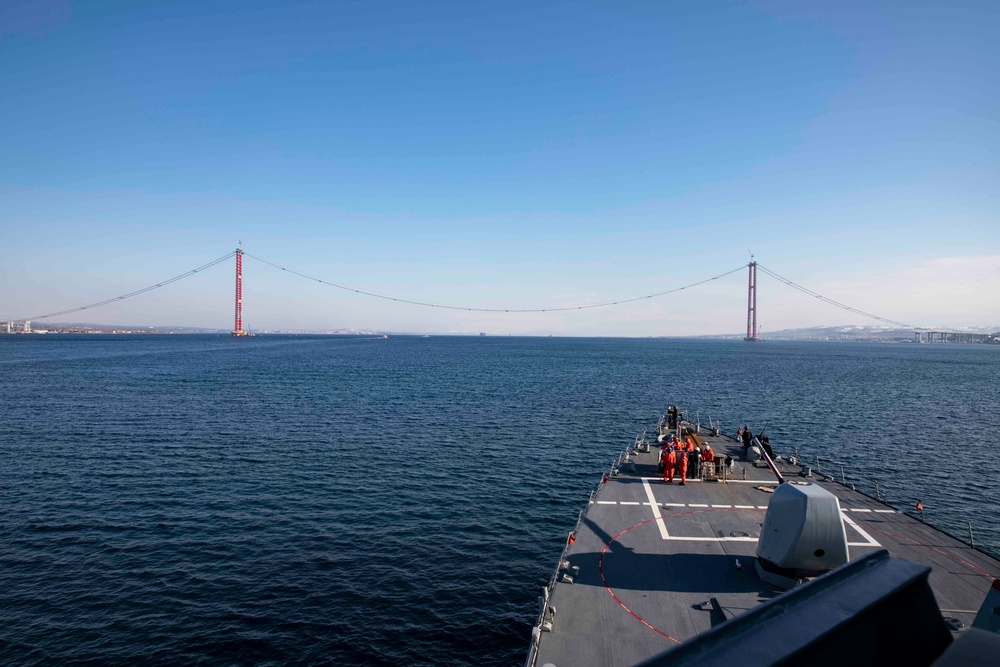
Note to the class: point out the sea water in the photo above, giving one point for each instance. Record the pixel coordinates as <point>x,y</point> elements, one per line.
<point>359,500</point>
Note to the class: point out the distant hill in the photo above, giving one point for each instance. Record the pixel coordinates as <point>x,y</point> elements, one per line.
<point>864,333</point>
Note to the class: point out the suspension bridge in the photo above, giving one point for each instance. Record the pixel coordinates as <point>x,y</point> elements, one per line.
<point>921,334</point>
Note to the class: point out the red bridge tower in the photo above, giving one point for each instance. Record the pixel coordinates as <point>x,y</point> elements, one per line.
<point>238,329</point>
<point>752,303</point>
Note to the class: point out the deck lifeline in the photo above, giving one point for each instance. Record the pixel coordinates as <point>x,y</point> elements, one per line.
<point>660,563</point>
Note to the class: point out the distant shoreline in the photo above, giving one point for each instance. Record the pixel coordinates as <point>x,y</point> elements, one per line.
<point>959,338</point>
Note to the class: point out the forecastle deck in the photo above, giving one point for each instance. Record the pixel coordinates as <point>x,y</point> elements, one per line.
<point>652,564</point>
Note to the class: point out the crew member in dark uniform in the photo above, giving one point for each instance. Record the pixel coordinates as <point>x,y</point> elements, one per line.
<point>766,444</point>
<point>747,440</point>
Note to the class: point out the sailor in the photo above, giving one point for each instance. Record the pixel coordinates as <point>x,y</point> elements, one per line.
<point>668,465</point>
<point>747,439</point>
<point>707,455</point>
<point>766,444</point>
<point>682,465</point>
<point>663,460</point>
<point>694,461</point>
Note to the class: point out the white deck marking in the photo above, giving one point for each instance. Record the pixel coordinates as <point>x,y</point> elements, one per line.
<point>653,503</point>
<point>887,512</point>
<point>758,482</point>
<point>656,510</point>
<point>870,543</point>
<point>661,524</point>
<point>714,539</point>
<point>862,509</point>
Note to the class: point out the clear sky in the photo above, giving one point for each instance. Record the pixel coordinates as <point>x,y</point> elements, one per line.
<point>501,155</point>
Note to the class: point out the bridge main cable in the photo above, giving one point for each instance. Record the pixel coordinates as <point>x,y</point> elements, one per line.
<point>495,310</point>
<point>830,301</point>
<point>135,293</point>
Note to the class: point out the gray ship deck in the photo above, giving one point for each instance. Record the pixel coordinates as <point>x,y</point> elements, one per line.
<point>658,561</point>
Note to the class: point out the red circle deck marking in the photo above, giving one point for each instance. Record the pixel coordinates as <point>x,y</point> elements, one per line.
<point>600,562</point>
<point>915,543</point>
<point>607,587</point>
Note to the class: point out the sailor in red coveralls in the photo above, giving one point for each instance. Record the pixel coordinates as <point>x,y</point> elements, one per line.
<point>682,465</point>
<point>669,458</point>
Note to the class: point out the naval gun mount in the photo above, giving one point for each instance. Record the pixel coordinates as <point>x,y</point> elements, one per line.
<point>803,535</point>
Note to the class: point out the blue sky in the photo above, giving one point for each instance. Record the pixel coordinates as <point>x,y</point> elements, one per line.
<point>502,155</point>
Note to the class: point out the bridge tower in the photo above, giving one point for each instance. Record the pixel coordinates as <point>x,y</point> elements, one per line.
<point>238,328</point>
<point>752,302</point>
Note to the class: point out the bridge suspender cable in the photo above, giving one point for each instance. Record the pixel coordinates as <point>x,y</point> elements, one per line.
<point>469,308</point>
<point>135,293</point>
<point>805,290</point>
<point>494,310</point>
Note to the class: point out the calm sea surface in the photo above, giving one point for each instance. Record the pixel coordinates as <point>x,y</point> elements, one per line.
<point>348,500</point>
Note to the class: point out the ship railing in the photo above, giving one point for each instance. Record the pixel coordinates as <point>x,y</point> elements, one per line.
<point>828,468</point>
<point>815,465</point>
<point>546,612</point>
<point>714,426</point>
<point>831,465</point>
<point>684,416</point>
